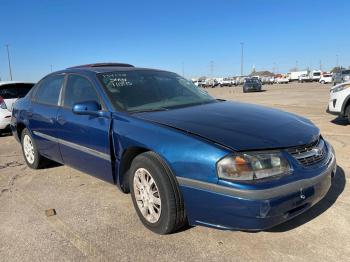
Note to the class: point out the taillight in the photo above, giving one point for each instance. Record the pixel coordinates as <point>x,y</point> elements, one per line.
<point>2,103</point>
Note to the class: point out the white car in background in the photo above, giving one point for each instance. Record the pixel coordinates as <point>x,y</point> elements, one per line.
<point>9,93</point>
<point>304,78</point>
<point>227,82</point>
<point>339,101</point>
<point>282,80</point>
<point>326,78</point>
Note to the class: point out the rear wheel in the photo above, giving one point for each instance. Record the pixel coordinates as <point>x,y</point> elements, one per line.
<point>155,194</point>
<point>31,155</point>
<point>323,82</point>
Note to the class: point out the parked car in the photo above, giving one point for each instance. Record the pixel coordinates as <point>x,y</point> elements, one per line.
<point>339,101</point>
<point>251,84</point>
<point>281,80</point>
<point>227,82</point>
<point>315,75</point>
<point>341,77</point>
<point>326,78</point>
<point>183,155</point>
<point>304,78</point>
<point>211,83</point>
<point>267,80</point>
<point>9,93</point>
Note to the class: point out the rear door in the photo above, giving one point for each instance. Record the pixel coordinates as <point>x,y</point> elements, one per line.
<point>42,116</point>
<point>84,139</point>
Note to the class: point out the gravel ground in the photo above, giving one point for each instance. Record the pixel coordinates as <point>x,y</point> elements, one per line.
<point>96,222</point>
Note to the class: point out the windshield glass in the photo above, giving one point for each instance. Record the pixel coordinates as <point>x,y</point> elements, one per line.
<point>151,90</point>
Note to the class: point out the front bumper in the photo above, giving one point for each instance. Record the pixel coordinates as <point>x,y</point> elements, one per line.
<point>220,207</point>
<point>5,124</point>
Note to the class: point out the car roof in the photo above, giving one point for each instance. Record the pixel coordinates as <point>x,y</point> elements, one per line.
<point>105,68</point>
<point>14,82</point>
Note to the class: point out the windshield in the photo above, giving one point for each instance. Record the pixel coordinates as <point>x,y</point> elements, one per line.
<point>151,90</point>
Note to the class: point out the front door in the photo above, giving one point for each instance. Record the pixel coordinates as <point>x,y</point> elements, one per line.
<point>84,139</point>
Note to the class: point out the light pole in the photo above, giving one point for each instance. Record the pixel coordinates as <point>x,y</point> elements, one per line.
<point>51,68</point>
<point>9,61</point>
<point>212,68</point>
<point>242,46</point>
<point>337,60</point>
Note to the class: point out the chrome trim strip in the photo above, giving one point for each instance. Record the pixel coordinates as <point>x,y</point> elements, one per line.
<point>263,194</point>
<point>74,146</point>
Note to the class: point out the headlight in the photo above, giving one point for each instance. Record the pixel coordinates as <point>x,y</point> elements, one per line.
<point>253,166</point>
<point>340,88</point>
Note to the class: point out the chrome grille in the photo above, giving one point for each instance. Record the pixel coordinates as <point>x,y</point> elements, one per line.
<point>310,154</point>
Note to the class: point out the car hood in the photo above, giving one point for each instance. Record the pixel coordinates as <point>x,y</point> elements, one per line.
<point>239,126</point>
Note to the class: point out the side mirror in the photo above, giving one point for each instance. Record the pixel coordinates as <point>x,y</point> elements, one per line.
<point>91,108</point>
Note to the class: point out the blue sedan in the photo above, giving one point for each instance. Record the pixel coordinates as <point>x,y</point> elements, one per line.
<point>184,156</point>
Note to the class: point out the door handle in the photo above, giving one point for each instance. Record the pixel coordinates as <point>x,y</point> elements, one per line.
<point>61,120</point>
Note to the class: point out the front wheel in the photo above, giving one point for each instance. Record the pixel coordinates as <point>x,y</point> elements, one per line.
<point>323,82</point>
<point>155,194</point>
<point>31,155</point>
<point>347,113</point>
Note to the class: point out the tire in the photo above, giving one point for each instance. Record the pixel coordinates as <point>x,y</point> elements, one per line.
<point>322,82</point>
<point>166,202</point>
<point>34,160</point>
<point>347,113</point>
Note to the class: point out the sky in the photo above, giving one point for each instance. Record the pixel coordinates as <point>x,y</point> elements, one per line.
<point>180,36</point>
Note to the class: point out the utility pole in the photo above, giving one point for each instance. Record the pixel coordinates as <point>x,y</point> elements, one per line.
<point>51,68</point>
<point>9,61</point>
<point>321,65</point>
<point>242,47</point>
<point>212,68</point>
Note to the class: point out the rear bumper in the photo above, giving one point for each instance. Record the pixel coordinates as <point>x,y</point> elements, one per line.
<point>253,211</point>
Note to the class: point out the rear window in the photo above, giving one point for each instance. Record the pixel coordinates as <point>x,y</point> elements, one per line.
<point>12,91</point>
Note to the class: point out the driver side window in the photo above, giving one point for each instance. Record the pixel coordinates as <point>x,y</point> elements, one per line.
<point>79,89</point>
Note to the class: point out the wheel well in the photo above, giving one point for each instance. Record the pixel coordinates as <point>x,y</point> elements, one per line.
<point>20,128</point>
<point>125,163</point>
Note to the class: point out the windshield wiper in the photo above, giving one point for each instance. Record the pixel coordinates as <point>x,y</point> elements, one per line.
<point>148,110</point>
